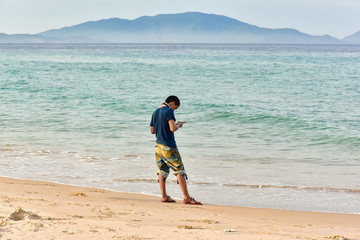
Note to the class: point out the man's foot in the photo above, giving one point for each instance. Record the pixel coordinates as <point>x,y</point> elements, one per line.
<point>192,201</point>
<point>168,199</point>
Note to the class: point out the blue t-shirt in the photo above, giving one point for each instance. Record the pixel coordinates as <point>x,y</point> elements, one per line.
<point>160,121</point>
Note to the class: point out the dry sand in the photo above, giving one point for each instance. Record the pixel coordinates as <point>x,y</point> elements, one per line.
<point>42,210</point>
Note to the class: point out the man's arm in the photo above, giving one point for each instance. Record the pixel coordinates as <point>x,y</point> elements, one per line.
<point>175,126</point>
<point>152,130</point>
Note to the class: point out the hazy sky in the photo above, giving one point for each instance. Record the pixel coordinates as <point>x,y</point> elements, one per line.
<point>339,18</point>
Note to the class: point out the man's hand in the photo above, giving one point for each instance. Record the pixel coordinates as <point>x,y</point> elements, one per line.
<point>180,124</point>
<point>175,126</point>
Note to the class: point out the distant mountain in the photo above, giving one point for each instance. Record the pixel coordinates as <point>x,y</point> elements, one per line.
<point>36,38</point>
<point>190,27</point>
<point>22,38</point>
<point>354,39</point>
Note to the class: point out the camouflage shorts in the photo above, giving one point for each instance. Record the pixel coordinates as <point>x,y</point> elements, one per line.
<point>166,158</point>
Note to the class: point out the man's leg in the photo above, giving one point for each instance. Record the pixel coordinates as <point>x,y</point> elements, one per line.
<point>182,182</point>
<point>162,184</point>
<point>183,186</point>
<point>162,173</point>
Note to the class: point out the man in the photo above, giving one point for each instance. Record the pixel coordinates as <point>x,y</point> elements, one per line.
<point>167,155</point>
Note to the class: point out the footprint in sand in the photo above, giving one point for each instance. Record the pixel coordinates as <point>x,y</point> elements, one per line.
<point>208,221</point>
<point>78,194</point>
<point>189,227</point>
<point>20,214</point>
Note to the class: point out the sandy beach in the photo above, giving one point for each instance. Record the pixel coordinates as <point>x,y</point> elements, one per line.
<point>43,210</point>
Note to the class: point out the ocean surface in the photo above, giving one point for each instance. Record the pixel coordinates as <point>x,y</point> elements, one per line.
<point>270,126</point>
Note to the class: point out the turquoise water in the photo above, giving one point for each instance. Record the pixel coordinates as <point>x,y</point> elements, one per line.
<point>275,126</point>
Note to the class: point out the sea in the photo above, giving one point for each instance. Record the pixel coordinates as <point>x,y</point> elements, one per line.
<point>267,126</point>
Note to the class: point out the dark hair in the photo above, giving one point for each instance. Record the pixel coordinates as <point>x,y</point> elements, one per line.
<point>173,99</point>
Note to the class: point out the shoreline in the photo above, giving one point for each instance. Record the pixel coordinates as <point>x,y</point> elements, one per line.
<point>177,199</point>
<point>57,211</point>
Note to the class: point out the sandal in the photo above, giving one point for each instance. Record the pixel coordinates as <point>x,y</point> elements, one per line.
<point>168,200</point>
<point>192,201</point>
